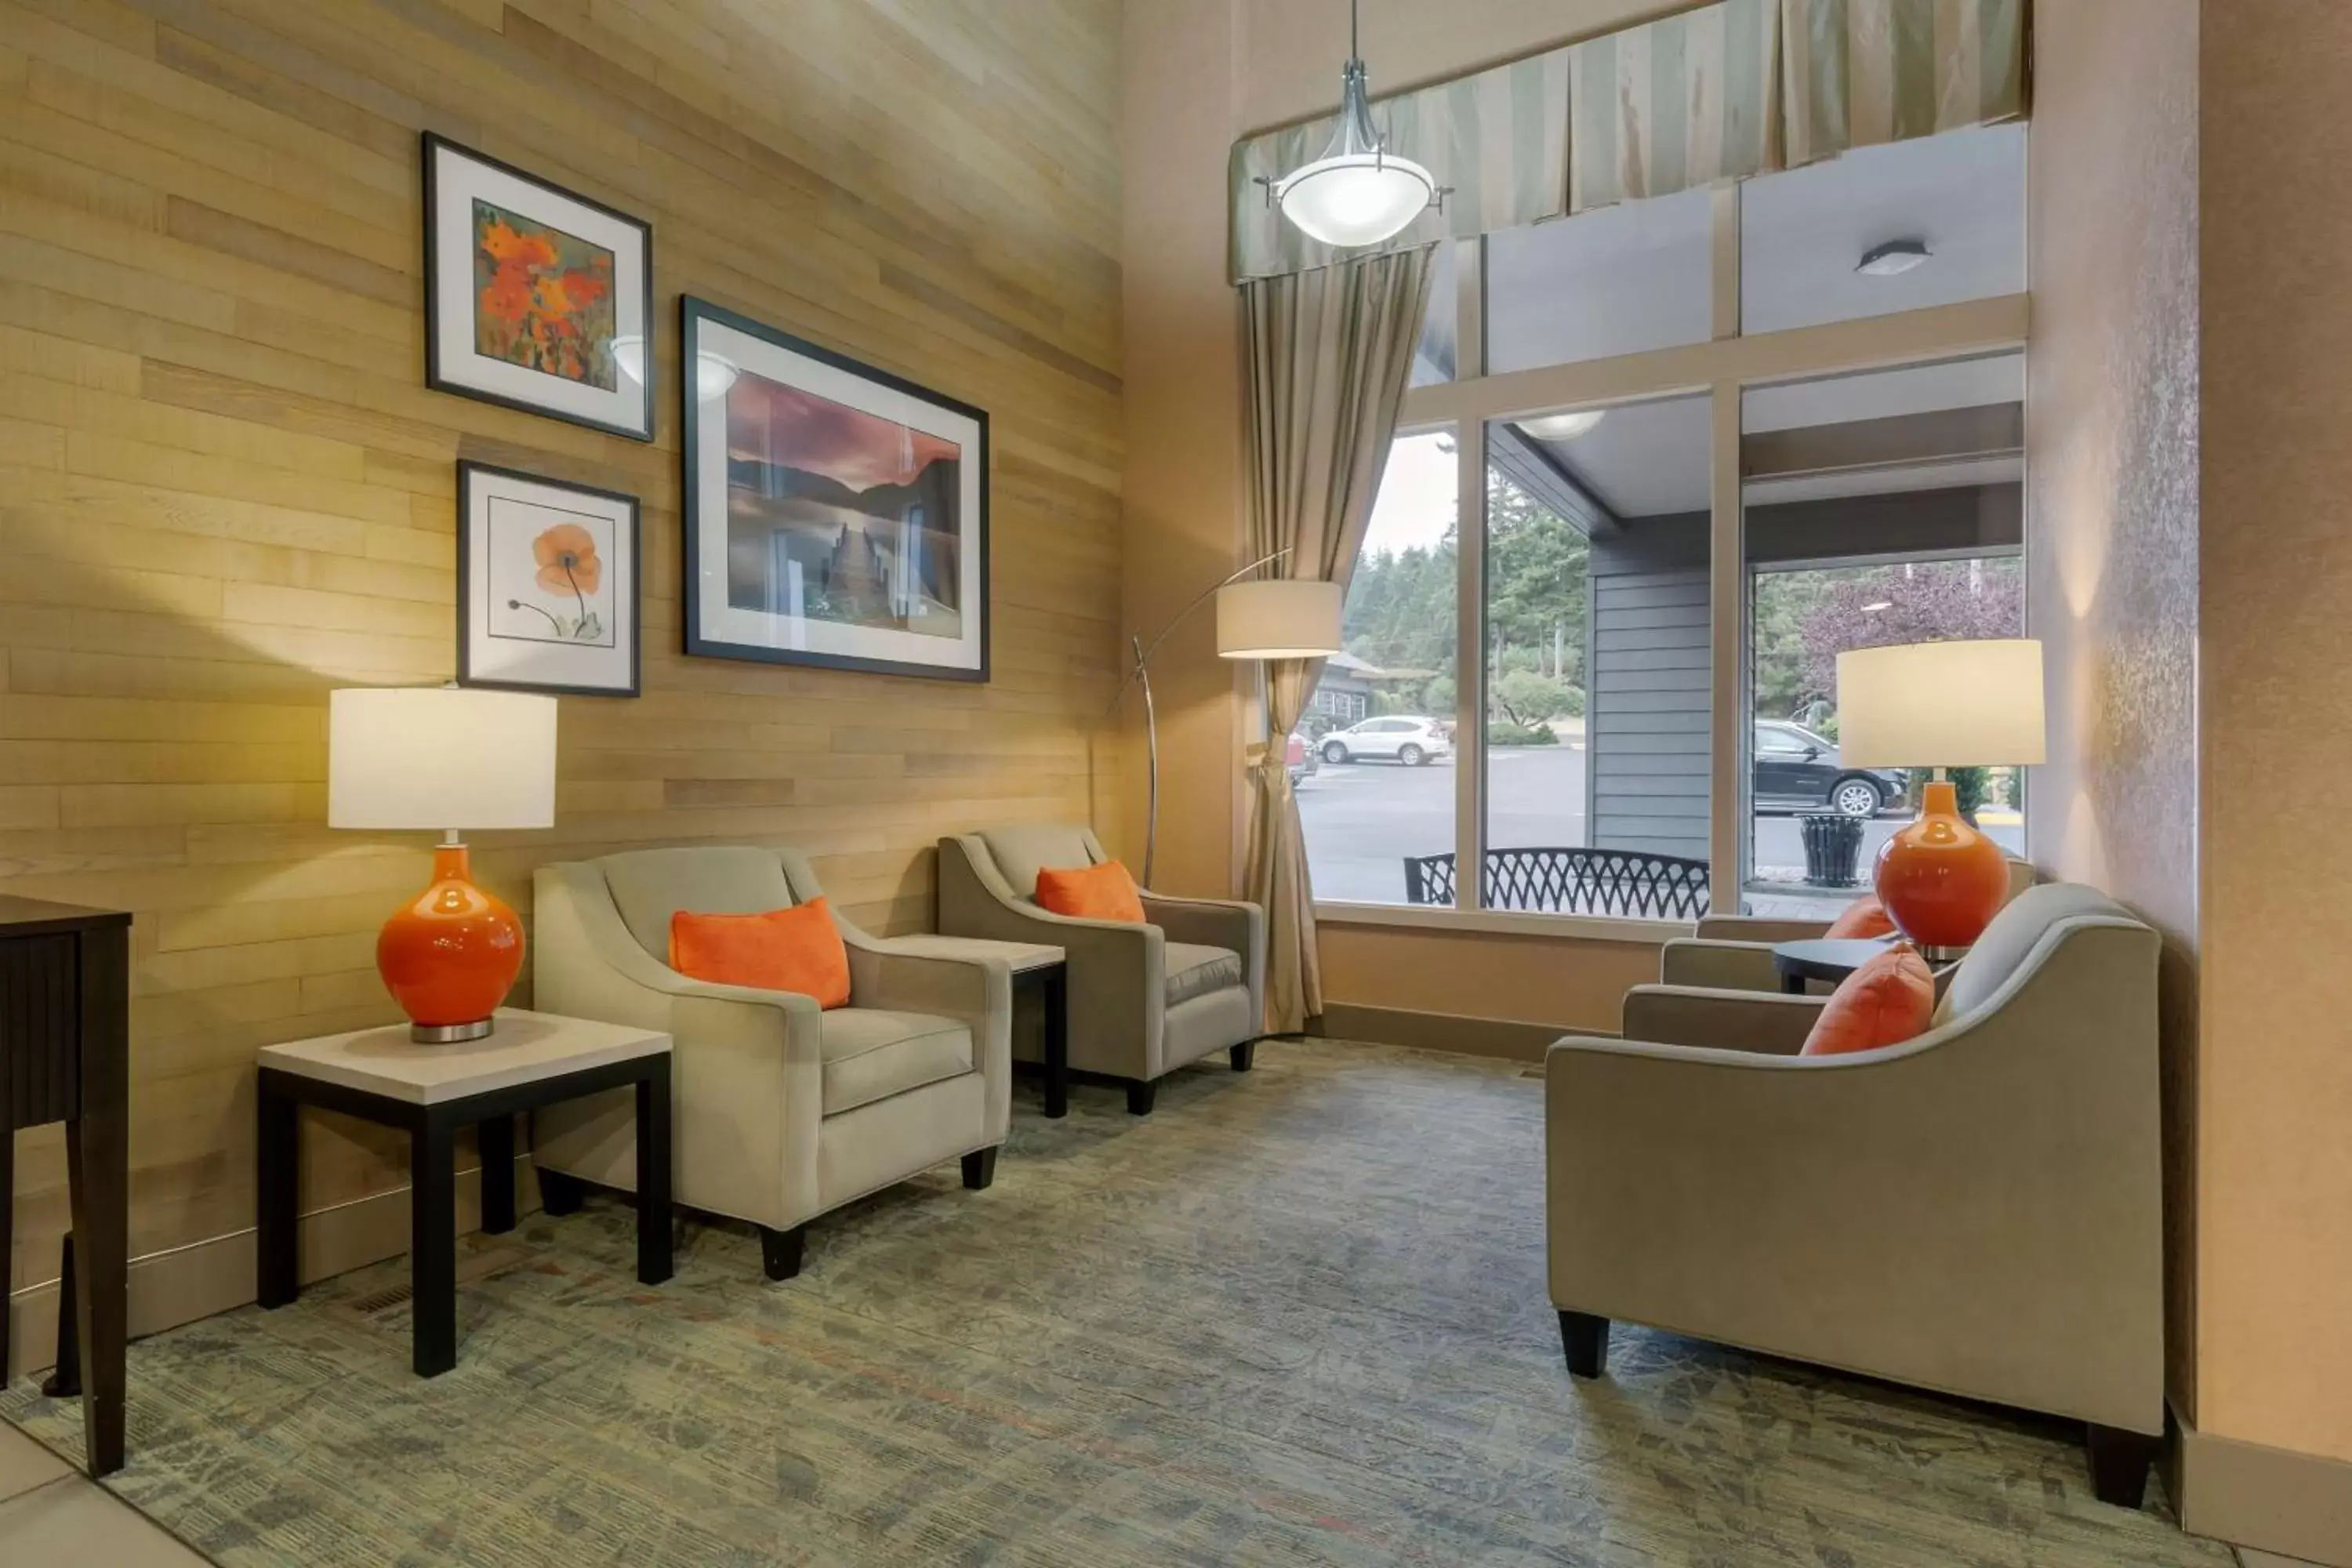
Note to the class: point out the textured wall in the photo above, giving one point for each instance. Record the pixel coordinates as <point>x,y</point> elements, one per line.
<point>2276,1111</point>
<point>223,487</point>
<point>2111,447</point>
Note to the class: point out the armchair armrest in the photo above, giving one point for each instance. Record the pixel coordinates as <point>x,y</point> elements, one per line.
<point>976,992</point>
<point>1757,928</point>
<point>1729,1021</point>
<point>1718,965</point>
<point>1235,924</point>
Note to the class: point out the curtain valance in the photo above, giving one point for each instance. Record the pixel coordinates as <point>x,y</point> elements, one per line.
<point>1722,92</point>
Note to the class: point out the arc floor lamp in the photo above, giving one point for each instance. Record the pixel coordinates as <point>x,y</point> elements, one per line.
<point>1261,619</point>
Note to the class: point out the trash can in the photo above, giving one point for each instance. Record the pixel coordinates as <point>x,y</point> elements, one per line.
<point>1832,850</point>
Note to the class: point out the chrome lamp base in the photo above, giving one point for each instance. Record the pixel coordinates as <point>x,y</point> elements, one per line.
<point>451,1034</point>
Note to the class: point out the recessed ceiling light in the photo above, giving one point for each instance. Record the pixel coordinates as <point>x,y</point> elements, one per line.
<point>1563,427</point>
<point>1894,259</point>
<point>1882,605</point>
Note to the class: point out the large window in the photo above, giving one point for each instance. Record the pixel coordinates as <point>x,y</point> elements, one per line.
<point>1596,615</point>
<point>1884,506</point>
<point>1704,445</point>
<point>1375,752</point>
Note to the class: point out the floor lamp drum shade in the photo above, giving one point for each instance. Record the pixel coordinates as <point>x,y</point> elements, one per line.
<point>1278,617</point>
<point>445,758</point>
<point>1941,705</point>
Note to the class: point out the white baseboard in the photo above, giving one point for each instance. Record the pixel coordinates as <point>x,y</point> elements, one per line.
<point>205,1278</point>
<point>2275,1500</point>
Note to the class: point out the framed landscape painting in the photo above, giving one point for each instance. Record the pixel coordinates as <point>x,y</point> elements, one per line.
<point>535,298</point>
<point>835,514</point>
<point>547,585</point>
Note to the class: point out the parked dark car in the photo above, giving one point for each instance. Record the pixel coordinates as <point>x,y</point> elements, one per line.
<point>1797,770</point>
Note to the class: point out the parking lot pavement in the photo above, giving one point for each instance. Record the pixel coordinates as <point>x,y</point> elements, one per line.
<point>1362,819</point>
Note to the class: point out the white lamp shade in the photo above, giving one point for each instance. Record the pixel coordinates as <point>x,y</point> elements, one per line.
<point>1356,198</point>
<point>1941,705</point>
<point>439,757</point>
<point>1278,617</point>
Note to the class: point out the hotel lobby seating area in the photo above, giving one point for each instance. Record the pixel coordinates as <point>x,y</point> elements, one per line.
<point>1113,783</point>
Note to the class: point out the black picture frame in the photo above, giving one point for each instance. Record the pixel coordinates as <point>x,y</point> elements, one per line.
<point>693,313</point>
<point>441,377</point>
<point>469,476</point>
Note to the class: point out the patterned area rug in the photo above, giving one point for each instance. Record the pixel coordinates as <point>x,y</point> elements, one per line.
<point>1297,1317</point>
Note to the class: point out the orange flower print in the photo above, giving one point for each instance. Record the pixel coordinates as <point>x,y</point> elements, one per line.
<point>568,563</point>
<point>542,299</point>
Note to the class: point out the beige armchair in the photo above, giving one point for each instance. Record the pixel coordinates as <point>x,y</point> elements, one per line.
<point>783,1112</point>
<point>1144,1000</point>
<point>1975,1211</point>
<point>1734,953</point>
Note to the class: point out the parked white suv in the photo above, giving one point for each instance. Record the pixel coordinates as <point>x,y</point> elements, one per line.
<point>1399,738</point>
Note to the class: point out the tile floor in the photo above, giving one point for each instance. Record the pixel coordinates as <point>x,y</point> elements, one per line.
<point>51,1512</point>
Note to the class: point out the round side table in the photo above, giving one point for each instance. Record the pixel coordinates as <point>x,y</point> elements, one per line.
<point>1829,959</point>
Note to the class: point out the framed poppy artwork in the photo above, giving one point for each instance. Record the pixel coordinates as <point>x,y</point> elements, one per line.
<point>835,514</point>
<point>535,298</point>
<point>547,585</point>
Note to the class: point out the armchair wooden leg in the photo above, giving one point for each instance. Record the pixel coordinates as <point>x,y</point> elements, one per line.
<point>1140,1096</point>
<point>1585,1338</point>
<point>1244,1056</point>
<point>780,1251</point>
<point>980,1168</point>
<point>2119,1464</point>
<point>558,1195</point>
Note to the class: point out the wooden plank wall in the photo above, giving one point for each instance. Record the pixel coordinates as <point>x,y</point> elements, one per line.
<point>225,489</point>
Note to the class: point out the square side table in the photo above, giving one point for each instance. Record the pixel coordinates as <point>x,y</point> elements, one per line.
<point>430,1092</point>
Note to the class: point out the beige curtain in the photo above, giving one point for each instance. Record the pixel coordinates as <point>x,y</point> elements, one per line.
<point>1329,353</point>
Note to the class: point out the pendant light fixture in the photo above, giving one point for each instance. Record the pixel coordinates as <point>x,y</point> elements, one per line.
<point>1358,192</point>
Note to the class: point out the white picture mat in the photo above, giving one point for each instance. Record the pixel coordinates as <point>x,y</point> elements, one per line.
<point>457,183</point>
<point>507,660</point>
<point>720,622</point>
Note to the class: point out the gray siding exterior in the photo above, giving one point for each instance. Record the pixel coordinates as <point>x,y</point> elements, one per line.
<point>1647,704</point>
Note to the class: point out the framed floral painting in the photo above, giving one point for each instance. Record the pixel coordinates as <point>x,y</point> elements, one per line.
<point>835,514</point>
<point>535,298</point>
<point>547,585</point>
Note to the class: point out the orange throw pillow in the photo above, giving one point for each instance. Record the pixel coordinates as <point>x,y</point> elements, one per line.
<point>799,949</point>
<point>1104,892</point>
<point>1862,918</point>
<point>1887,1001</point>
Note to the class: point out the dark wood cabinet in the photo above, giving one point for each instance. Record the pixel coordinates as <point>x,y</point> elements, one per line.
<point>65,1055</point>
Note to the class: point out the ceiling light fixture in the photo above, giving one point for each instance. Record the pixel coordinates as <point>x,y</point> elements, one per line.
<point>1562,426</point>
<point>1882,605</point>
<point>1358,192</point>
<point>1894,259</point>
<point>713,374</point>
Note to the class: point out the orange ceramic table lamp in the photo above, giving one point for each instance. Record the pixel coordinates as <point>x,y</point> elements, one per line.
<point>447,758</point>
<point>1941,705</point>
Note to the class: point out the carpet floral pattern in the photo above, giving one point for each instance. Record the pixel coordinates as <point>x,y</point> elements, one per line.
<point>1297,1317</point>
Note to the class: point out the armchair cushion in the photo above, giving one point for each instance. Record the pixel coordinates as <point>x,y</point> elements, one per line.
<point>1887,1001</point>
<point>1104,892</point>
<point>1025,849</point>
<point>1195,970</point>
<point>797,949</point>
<point>871,1054</point>
<point>1865,917</point>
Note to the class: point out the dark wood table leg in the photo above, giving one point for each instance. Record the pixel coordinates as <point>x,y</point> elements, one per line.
<point>496,1140</point>
<point>8,1216</point>
<point>277,1190</point>
<point>433,1244</point>
<point>65,1377</point>
<point>654,1262</point>
<point>1057,988</point>
<point>98,1169</point>
<point>1792,982</point>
